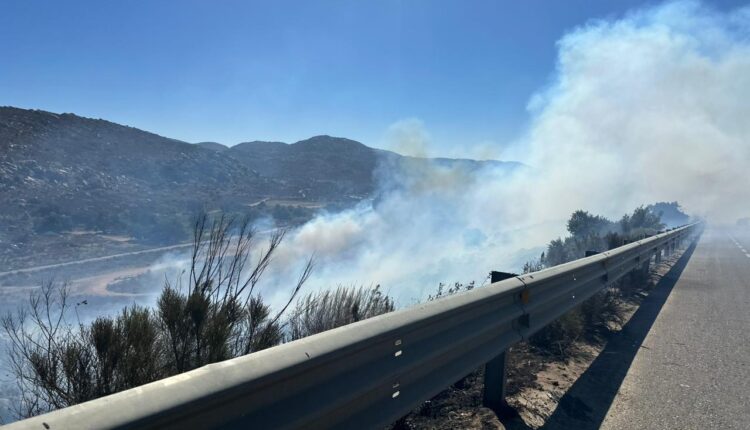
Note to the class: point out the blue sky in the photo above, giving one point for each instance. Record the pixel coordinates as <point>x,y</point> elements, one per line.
<point>232,71</point>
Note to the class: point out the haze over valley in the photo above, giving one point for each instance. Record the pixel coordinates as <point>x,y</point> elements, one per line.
<point>98,203</point>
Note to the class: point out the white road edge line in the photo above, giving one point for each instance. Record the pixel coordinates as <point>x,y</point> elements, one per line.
<point>740,247</point>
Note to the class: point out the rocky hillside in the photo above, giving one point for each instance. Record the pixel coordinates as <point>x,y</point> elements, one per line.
<point>320,168</point>
<point>59,172</point>
<point>62,173</point>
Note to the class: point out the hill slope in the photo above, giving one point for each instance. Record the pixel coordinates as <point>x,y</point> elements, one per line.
<point>63,171</point>
<point>62,174</point>
<point>322,167</point>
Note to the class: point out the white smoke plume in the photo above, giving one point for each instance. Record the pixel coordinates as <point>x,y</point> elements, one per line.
<point>650,107</point>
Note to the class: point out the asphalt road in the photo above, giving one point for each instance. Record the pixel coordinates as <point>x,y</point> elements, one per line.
<point>94,259</point>
<point>106,257</point>
<point>692,370</point>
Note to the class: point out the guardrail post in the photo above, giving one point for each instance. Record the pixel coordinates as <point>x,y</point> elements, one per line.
<point>495,377</point>
<point>495,381</point>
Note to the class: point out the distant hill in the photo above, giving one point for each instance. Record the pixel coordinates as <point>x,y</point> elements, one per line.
<point>330,168</point>
<point>321,167</point>
<point>62,173</point>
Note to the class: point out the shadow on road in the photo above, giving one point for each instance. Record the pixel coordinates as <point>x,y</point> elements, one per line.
<point>586,403</point>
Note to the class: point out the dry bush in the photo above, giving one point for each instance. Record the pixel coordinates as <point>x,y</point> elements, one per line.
<point>635,281</point>
<point>325,310</point>
<point>601,309</point>
<point>558,337</point>
<point>534,265</point>
<point>592,318</point>
<point>457,287</point>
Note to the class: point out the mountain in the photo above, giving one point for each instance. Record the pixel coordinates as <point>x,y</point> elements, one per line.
<point>64,171</point>
<point>321,167</point>
<point>64,178</point>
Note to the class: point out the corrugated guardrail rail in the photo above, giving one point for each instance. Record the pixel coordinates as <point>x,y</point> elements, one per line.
<point>370,373</point>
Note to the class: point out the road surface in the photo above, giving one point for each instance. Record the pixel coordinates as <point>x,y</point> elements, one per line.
<point>692,370</point>
<point>160,249</point>
<point>95,259</point>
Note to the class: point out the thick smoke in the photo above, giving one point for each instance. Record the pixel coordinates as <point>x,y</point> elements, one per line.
<point>646,108</point>
<point>650,107</point>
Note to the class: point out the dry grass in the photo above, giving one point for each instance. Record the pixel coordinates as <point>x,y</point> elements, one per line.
<point>325,310</point>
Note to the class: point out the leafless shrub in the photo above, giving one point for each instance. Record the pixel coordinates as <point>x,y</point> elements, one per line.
<point>534,265</point>
<point>219,314</point>
<point>602,308</point>
<point>444,290</point>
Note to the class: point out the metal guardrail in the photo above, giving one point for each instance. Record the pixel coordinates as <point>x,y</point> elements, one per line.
<point>370,373</point>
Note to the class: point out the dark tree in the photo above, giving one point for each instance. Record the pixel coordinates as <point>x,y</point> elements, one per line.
<point>582,223</point>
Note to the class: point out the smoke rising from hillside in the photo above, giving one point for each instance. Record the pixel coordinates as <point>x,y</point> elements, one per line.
<point>646,108</point>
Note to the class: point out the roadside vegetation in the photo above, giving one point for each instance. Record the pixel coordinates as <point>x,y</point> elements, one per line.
<point>212,313</point>
<point>215,312</point>
<point>326,310</point>
<point>592,234</point>
<point>566,343</point>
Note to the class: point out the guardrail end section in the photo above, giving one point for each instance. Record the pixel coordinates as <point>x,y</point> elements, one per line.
<point>496,276</point>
